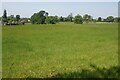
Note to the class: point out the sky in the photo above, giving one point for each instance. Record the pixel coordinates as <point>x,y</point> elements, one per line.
<point>59,0</point>
<point>96,9</point>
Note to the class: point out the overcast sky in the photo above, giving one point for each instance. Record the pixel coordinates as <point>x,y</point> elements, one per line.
<point>96,9</point>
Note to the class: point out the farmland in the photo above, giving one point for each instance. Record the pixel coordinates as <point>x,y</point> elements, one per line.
<point>60,50</point>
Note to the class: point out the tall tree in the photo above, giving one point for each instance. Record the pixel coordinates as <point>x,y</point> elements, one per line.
<point>99,19</point>
<point>5,14</point>
<point>17,17</point>
<point>4,17</point>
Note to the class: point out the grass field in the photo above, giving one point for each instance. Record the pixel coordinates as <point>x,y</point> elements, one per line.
<point>0,52</point>
<point>60,50</point>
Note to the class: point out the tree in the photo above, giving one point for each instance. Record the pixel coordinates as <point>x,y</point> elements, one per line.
<point>110,19</point>
<point>104,20</point>
<point>0,18</point>
<point>90,18</point>
<point>117,19</point>
<point>66,19</point>
<point>4,17</point>
<point>94,20</point>
<point>61,19</point>
<point>17,18</point>
<point>51,19</point>
<point>99,19</point>
<point>39,18</point>
<point>34,18</point>
<point>70,17</point>
<point>78,19</point>
<point>87,18</point>
<point>26,20</point>
<point>56,19</point>
<point>11,19</point>
<point>46,14</point>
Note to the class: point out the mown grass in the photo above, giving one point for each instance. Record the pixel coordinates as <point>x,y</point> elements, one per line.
<point>0,52</point>
<point>31,51</point>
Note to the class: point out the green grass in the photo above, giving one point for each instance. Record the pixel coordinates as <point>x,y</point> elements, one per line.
<point>59,50</point>
<point>0,52</point>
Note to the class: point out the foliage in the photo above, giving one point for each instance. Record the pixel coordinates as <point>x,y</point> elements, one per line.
<point>87,18</point>
<point>4,17</point>
<point>26,20</point>
<point>61,19</point>
<point>70,17</point>
<point>99,19</point>
<point>78,19</point>
<point>110,19</point>
<point>117,19</point>
<point>39,18</point>
<point>10,20</point>
<point>42,18</point>
<point>51,19</point>
<point>17,17</point>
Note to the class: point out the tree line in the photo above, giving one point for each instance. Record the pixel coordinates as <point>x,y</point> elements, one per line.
<point>13,20</point>
<point>42,17</point>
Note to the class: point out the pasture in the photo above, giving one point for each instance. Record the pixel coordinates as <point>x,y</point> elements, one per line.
<point>60,50</point>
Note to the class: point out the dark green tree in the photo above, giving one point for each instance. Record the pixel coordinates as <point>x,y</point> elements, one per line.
<point>51,19</point>
<point>17,17</point>
<point>99,19</point>
<point>78,19</point>
<point>110,19</point>
<point>39,18</point>
<point>4,17</point>
<point>61,19</point>
<point>34,18</point>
